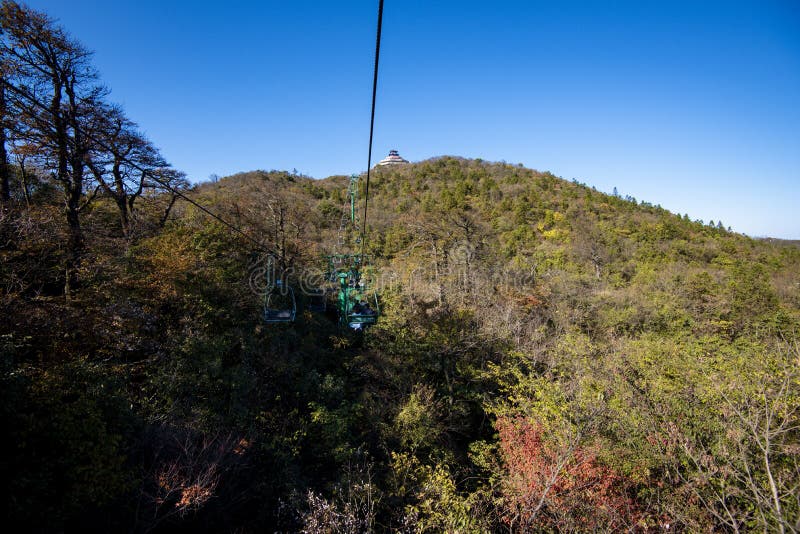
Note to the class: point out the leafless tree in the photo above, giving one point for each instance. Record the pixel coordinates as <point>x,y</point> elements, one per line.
<point>171,183</point>
<point>752,473</point>
<point>123,162</point>
<point>353,509</point>
<point>765,429</point>
<point>5,191</point>
<point>50,85</point>
<point>185,474</point>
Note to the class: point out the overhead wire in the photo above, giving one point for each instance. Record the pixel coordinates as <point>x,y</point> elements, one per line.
<point>145,172</point>
<point>372,124</point>
<point>218,218</point>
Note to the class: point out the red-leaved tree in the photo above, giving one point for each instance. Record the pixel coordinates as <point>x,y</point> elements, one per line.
<point>553,484</point>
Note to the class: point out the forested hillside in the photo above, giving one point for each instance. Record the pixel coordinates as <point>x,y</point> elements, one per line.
<point>548,357</point>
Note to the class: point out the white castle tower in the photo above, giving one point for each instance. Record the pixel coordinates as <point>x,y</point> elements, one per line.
<point>392,159</point>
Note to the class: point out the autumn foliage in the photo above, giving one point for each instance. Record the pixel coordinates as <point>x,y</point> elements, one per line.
<point>548,357</point>
<point>560,486</point>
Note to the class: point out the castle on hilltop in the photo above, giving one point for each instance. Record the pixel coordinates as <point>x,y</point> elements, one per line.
<point>393,159</point>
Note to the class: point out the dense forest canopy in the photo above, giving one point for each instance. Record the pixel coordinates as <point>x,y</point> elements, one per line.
<point>548,358</point>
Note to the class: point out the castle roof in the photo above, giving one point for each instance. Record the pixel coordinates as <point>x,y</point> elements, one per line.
<point>392,159</point>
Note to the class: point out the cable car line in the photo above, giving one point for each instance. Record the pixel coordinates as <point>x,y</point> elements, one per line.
<point>354,310</point>
<point>372,123</point>
<point>149,174</point>
<point>357,301</point>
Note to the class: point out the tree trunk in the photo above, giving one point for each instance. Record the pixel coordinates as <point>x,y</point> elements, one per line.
<point>5,191</point>
<point>75,240</point>
<point>23,182</point>
<point>121,196</point>
<point>124,219</point>
<point>73,186</point>
<point>167,210</point>
<point>72,195</point>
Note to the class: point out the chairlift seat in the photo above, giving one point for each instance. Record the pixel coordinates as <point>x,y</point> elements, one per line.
<point>280,307</point>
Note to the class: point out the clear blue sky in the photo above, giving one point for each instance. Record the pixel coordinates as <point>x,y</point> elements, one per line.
<point>694,105</point>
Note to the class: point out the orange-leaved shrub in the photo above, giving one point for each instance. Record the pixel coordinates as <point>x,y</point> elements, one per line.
<point>560,485</point>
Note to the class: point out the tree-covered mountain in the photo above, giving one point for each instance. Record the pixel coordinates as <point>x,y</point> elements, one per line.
<point>548,357</point>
